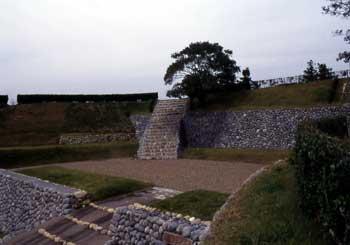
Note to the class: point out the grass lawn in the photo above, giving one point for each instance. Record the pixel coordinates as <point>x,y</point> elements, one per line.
<point>287,96</point>
<point>267,212</point>
<point>43,123</point>
<point>199,204</point>
<point>241,155</point>
<point>98,186</point>
<point>15,157</point>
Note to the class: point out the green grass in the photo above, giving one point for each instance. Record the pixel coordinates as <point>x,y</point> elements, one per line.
<point>241,155</point>
<point>267,212</point>
<point>132,108</point>
<point>199,204</point>
<point>96,117</point>
<point>287,96</point>
<point>15,157</point>
<point>98,186</point>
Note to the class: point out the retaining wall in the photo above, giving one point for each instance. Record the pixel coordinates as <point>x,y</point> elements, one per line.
<point>26,202</point>
<point>138,224</point>
<point>140,123</point>
<point>78,139</point>
<point>263,129</point>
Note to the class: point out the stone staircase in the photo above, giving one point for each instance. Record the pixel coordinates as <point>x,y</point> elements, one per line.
<point>89,225</point>
<point>346,92</point>
<point>162,137</point>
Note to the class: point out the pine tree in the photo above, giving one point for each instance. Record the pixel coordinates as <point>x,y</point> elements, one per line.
<point>324,72</point>
<point>246,80</point>
<point>310,74</point>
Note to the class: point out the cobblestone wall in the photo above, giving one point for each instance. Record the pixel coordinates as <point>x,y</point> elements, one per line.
<point>140,123</point>
<point>263,129</point>
<point>138,224</point>
<point>26,202</point>
<point>78,139</point>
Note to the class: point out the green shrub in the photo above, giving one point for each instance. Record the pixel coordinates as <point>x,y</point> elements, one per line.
<point>39,98</point>
<point>336,127</point>
<point>323,177</point>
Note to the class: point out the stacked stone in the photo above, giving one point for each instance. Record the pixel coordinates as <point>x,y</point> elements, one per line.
<point>78,139</point>
<point>161,139</point>
<point>140,123</point>
<point>27,202</point>
<point>260,129</point>
<point>346,92</point>
<point>142,225</point>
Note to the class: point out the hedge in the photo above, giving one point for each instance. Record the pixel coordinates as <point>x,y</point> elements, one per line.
<point>322,167</point>
<point>40,98</point>
<point>3,99</point>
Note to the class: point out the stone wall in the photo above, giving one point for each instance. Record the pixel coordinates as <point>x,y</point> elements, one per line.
<point>78,139</point>
<point>138,224</point>
<point>264,129</point>
<point>26,202</point>
<point>140,123</point>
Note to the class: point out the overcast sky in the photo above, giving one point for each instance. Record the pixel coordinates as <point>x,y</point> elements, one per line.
<point>114,46</point>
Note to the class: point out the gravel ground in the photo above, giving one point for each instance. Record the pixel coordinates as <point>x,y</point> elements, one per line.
<point>183,175</point>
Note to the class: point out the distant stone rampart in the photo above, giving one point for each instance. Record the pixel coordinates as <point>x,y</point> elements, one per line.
<point>261,129</point>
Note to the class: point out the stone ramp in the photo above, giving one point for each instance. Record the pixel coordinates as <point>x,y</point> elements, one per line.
<point>68,231</point>
<point>346,92</point>
<point>91,224</point>
<point>162,137</point>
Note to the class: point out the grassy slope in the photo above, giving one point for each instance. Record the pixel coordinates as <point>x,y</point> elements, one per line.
<point>297,95</point>
<point>15,157</point>
<point>199,204</point>
<point>98,186</point>
<point>241,155</point>
<point>41,124</point>
<point>266,212</point>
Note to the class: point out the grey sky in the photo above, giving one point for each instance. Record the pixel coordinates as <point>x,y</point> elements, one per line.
<point>113,46</point>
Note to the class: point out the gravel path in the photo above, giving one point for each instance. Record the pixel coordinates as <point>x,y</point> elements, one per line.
<point>183,175</point>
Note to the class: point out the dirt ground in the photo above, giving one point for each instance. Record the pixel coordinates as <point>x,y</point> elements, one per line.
<point>182,175</point>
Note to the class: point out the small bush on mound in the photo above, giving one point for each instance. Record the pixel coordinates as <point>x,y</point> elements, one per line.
<point>323,176</point>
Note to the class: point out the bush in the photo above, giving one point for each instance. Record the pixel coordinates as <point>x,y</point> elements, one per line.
<point>3,99</point>
<point>40,98</point>
<point>323,171</point>
<point>335,127</point>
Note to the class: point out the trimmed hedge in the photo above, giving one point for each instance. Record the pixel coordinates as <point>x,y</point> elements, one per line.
<point>40,98</point>
<point>3,99</point>
<point>322,167</point>
<point>335,127</point>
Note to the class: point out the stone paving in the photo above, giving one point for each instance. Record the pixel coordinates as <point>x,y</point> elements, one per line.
<point>183,174</point>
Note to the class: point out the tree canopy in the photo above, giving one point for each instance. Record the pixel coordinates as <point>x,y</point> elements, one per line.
<point>323,72</point>
<point>310,74</point>
<point>340,8</point>
<point>199,69</point>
